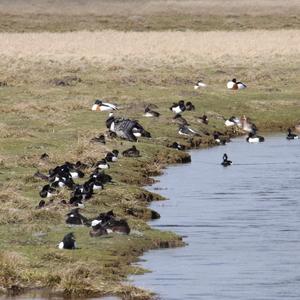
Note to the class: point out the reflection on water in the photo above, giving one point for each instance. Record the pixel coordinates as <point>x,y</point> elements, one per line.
<point>242,223</point>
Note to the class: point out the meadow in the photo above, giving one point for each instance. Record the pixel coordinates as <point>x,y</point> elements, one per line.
<point>49,81</point>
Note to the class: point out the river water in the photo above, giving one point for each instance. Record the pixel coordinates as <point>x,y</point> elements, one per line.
<point>242,225</point>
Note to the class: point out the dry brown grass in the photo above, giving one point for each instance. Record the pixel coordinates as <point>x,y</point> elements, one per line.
<point>135,7</point>
<point>151,49</point>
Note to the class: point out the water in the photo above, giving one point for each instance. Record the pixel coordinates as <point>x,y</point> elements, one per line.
<point>242,225</point>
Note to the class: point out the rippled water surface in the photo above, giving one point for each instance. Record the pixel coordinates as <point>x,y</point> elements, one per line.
<point>242,225</point>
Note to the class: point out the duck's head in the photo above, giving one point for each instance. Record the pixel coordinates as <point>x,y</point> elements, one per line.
<point>181,102</point>
<point>98,102</point>
<point>234,80</point>
<point>115,152</point>
<point>69,237</point>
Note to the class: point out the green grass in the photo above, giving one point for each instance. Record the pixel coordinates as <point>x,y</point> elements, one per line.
<point>160,22</point>
<point>38,117</point>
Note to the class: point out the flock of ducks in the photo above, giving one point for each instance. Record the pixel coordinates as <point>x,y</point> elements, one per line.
<point>257,139</point>
<point>64,176</point>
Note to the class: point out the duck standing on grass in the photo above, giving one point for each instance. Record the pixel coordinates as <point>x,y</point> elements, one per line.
<point>102,164</point>
<point>233,121</point>
<point>190,106</point>
<point>187,131</point>
<point>97,229</point>
<point>131,152</point>
<point>234,85</point>
<point>126,129</point>
<point>68,242</point>
<point>203,119</point>
<point>48,191</point>
<point>99,105</point>
<point>75,218</point>
<point>112,156</point>
<point>199,84</point>
<point>180,120</point>
<point>226,162</point>
<point>291,136</point>
<point>149,113</point>
<point>99,139</point>
<point>177,146</point>
<point>178,108</point>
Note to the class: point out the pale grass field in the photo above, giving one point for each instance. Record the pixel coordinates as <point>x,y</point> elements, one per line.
<point>143,7</point>
<point>113,48</point>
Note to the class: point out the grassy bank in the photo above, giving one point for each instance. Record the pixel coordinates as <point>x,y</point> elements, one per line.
<point>50,80</point>
<point>38,116</point>
<point>158,15</point>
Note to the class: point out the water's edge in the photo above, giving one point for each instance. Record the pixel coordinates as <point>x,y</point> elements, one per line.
<point>259,159</point>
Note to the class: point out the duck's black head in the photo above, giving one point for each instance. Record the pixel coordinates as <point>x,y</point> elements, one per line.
<point>41,204</point>
<point>234,80</point>
<point>44,156</point>
<point>98,102</point>
<point>115,152</point>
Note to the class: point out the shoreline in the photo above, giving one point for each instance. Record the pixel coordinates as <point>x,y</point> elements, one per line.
<point>39,115</point>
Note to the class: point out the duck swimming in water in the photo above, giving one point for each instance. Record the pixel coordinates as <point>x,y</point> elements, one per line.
<point>99,105</point>
<point>252,138</point>
<point>291,136</point>
<point>226,162</point>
